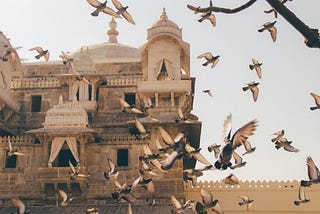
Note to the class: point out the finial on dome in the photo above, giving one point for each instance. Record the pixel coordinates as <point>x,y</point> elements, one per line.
<point>164,16</point>
<point>113,33</point>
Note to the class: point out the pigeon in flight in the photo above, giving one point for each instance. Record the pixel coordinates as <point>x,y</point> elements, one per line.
<point>313,173</point>
<point>41,53</point>
<point>286,146</point>
<point>246,201</point>
<point>10,152</point>
<point>208,16</point>
<point>102,7</point>
<point>253,86</point>
<point>238,161</point>
<point>207,91</point>
<point>113,171</point>
<point>210,59</point>
<point>231,179</point>
<point>65,198</point>
<point>279,136</point>
<point>75,172</point>
<point>317,101</point>
<point>215,148</point>
<point>20,205</point>
<point>123,11</point>
<point>231,142</point>
<point>248,148</point>
<point>180,208</point>
<point>193,174</point>
<point>301,196</point>
<point>209,203</point>
<point>256,65</point>
<point>269,26</point>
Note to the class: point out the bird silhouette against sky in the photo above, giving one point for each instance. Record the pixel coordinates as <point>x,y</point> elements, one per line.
<point>256,65</point>
<point>210,59</point>
<point>269,26</point>
<point>253,86</point>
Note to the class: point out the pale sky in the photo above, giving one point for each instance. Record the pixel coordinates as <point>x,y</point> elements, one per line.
<point>290,70</point>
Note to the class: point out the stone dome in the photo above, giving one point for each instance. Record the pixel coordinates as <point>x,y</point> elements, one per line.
<point>164,26</point>
<point>105,52</point>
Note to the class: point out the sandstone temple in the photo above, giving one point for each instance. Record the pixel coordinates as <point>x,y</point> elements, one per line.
<point>53,116</point>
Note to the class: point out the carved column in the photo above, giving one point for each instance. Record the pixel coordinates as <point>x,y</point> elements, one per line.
<point>172,99</point>
<point>83,141</point>
<point>44,140</point>
<point>156,99</point>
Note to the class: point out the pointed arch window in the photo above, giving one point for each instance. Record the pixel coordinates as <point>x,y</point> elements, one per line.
<point>164,70</point>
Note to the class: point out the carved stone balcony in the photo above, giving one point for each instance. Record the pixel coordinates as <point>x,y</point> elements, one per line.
<point>164,86</point>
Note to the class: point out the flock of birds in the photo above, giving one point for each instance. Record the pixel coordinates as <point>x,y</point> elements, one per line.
<point>170,149</point>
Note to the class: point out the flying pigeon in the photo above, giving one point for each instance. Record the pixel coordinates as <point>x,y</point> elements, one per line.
<point>231,179</point>
<point>125,107</point>
<point>41,53</point>
<point>234,141</point>
<point>102,7</point>
<point>180,208</point>
<point>177,153</point>
<point>279,136</point>
<point>253,86</point>
<point>317,101</point>
<point>207,91</point>
<point>208,16</point>
<point>248,148</point>
<point>215,148</point>
<point>286,146</point>
<point>209,203</point>
<point>257,66</point>
<point>65,198</point>
<point>313,173</point>
<point>193,174</point>
<point>113,171</point>
<point>246,201</point>
<point>147,183</point>
<point>271,28</point>
<point>75,172</point>
<point>20,205</point>
<point>238,161</point>
<point>123,11</point>
<point>210,59</point>
<point>10,152</point>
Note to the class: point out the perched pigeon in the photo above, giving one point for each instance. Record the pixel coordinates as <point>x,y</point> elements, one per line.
<point>210,59</point>
<point>256,65</point>
<point>317,101</point>
<point>123,11</point>
<point>102,7</point>
<point>253,86</point>
<point>271,28</point>
<point>41,53</point>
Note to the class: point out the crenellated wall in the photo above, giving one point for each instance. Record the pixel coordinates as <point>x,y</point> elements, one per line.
<point>268,196</point>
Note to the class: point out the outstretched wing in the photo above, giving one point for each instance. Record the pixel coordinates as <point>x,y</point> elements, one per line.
<point>243,133</point>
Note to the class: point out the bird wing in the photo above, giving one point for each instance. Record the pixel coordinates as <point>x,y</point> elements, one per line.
<point>19,153</point>
<point>165,136</point>
<point>244,198</point>
<point>38,49</point>
<point>290,148</point>
<point>206,196</point>
<point>255,93</point>
<point>301,194</point>
<point>212,19</point>
<point>215,62</point>
<point>237,158</point>
<point>227,128</point>
<point>128,17</point>
<point>146,150</point>
<point>217,208</point>
<point>316,98</point>
<point>243,133</point>
<point>9,144</point>
<point>255,62</point>
<point>112,166</point>
<point>247,145</point>
<point>94,3</point>
<point>129,208</point>
<point>72,167</point>
<point>117,4</point>
<point>135,183</point>
<point>273,33</point>
<point>63,195</point>
<point>140,127</point>
<point>313,171</point>
<point>196,155</point>
<point>118,185</point>
<point>123,103</point>
<point>110,11</point>
<point>206,55</point>
<point>46,56</point>
<point>175,202</point>
<point>18,203</point>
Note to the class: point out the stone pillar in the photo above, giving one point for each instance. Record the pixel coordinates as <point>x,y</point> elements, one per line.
<point>156,99</point>
<point>93,91</point>
<point>45,150</point>
<point>172,99</point>
<point>83,152</point>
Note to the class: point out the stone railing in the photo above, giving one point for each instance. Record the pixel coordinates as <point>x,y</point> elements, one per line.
<point>35,83</point>
<point>122,81</point>
<point>17,140</point>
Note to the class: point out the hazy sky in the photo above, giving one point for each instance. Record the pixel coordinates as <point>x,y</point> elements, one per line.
<point>290,70</point>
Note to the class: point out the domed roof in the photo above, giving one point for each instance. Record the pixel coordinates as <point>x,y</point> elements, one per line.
<point>164,26</point>
<point>110,51</point>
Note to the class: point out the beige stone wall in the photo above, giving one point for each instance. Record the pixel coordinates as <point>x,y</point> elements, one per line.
<point>268,196</point>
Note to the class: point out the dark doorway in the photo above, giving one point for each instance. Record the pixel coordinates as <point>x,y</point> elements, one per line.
<point>11,162</point>
<point>122,157</point>
<point>36,103</point>
<point>63,158</point>
<point>130,98</point>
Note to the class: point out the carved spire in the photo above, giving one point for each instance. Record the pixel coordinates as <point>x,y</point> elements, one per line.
<point>164,16</point>
<point>113,33</point>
